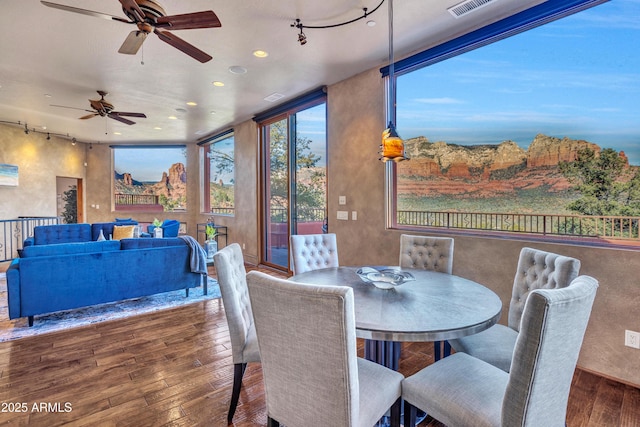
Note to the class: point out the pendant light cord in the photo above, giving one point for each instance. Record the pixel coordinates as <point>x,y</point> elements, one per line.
<point>392,81</point>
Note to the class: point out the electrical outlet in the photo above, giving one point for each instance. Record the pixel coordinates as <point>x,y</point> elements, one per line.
<point>343,215</point>
<point>632,339</point>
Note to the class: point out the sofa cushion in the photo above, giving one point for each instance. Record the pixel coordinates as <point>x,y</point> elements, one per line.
<point>70,248</point>
<point>150,242</point>
<point>123,231</point>
<point>61,233</point>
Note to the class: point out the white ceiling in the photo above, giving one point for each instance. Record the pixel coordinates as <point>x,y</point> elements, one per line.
<point>69,56</point>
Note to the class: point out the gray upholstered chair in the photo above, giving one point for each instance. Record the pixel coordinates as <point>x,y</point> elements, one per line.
<point>312,375</point>
<point>428,253</point>
<point>231,274</point>
<point>313,251</point>
<point>461,390</point>
<point>536,270</point>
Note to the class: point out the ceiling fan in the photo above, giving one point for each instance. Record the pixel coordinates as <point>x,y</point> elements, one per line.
<point>149,16</point>
<point>105,109</point>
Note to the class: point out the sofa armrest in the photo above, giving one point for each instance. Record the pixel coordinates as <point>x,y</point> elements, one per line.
<point>29,241</point>
<point>13,288</point>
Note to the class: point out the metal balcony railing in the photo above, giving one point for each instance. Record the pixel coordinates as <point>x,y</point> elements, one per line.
<point>14,231</point>
<point>609,227</point>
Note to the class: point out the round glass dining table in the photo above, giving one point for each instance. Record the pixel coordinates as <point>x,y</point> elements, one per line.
<point>429,306</point>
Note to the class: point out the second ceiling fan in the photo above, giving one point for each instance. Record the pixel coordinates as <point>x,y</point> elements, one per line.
<point>149,17</point>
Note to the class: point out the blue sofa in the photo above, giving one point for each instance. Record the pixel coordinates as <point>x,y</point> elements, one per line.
<point>73,233</point>
<point>54,277</point>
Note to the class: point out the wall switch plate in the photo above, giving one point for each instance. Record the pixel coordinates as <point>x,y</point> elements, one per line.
<point>343,215</point>
<point>632,339</point>
<point>354,215</point>
<point>342,200</point>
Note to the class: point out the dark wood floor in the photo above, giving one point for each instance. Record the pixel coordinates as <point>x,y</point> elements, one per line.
<point>173,368</point>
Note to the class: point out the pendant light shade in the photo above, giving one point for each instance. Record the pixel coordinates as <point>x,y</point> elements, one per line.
<point>392,147</point>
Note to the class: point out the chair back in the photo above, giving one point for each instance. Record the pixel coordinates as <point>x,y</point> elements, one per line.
<point>538,270</point>
<point>427,253</point>
<point>546,352</point>
<point>313,251</point>
<point>306,335</point>
<point>231,274</point>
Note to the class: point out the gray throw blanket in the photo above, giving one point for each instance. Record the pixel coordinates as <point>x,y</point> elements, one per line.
<point>198,260</point>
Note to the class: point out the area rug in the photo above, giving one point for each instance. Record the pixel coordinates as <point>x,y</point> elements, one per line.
<point>61,320</point>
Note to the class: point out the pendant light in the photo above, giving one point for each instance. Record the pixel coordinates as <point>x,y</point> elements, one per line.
<point>392,147</point>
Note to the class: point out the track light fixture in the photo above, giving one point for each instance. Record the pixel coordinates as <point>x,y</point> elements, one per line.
<point>73,141</point>
<point>48,136</point>
<point>302,37</point>
<point>26,129</point>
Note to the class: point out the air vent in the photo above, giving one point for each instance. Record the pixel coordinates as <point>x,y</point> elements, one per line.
<point>468,6</point>
<point>274,97</point>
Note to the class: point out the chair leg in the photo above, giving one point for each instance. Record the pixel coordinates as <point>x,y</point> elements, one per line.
<point>447,349</point>
<point>238,373</point>
<point>436,351</point>
<point>396,409</point>
<point>272,423</point>
<point>409,415</point>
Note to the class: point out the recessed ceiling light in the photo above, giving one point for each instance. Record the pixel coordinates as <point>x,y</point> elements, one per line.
<point>371,23</point>
<point>260,53</point>
<point>191,104</point>
<point>117,133</point>
<point>172,118</point>
<point>44,127</point>
<point>157,128</point>
<point>237,69</point>
<point>200,132</point>
<point>212,112</point>
<point>219,84</point>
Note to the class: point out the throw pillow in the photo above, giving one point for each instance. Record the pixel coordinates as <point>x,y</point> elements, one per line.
<point>123,231</point>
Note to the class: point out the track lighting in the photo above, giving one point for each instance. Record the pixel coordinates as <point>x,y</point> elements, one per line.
<point>48,136</point>
<point>73,141</point>
<point>26,129</point>
<point>302,37</point>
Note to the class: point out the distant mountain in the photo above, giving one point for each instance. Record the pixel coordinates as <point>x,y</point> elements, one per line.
<point>486,170</point>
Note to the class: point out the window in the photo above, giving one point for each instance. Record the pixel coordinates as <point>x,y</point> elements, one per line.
<point>150,178</point>
<point>504,137</point>
<point>293,176</point>
<point>219,173</point>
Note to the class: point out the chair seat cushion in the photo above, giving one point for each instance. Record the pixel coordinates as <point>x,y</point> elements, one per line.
<point>459,390</point>
<point>494,345</point>
<point>379,388</point>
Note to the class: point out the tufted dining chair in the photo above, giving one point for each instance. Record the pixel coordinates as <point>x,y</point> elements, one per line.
<point>428,253</point>
<point>231,275</point>
<point>536,270</point>
<point>461,390</point>
<point>312,375</point>
<point>313,251</point>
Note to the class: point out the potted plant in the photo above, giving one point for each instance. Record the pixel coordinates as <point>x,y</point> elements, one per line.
<point>210,245</point>
<point>157,227</point>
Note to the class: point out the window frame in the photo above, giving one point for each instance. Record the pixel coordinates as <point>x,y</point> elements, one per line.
<point>205,150</point>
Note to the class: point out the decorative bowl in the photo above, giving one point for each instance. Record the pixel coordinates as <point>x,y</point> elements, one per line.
<point>384,278</point>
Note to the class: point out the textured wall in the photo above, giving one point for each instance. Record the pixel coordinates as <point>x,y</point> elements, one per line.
<point>39,162</point>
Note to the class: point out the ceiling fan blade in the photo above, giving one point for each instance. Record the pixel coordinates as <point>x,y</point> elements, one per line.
<point>133,42</point>
<point>182,45</point>
<point>187,21</point>
<point>120,113</point>
<point>132,7</point>
<point>88,116</point>
<point>120,119</point>
<point>71,108</point>
<point>85,12</point>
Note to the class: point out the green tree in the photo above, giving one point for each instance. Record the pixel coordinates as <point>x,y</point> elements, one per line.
<point>604,184</point>
<point>70,212</point>
<point>311,187</point>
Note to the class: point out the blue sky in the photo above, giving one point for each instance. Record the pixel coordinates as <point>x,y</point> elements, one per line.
<point>577,77</point>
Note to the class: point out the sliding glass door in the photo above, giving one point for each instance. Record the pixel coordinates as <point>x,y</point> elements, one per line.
<point>294,196</point>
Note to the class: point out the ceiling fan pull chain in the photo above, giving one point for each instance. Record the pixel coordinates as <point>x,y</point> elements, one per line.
<point>142,56</point>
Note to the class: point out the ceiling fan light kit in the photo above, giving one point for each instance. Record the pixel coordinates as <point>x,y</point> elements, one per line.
<point>150,17</point>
